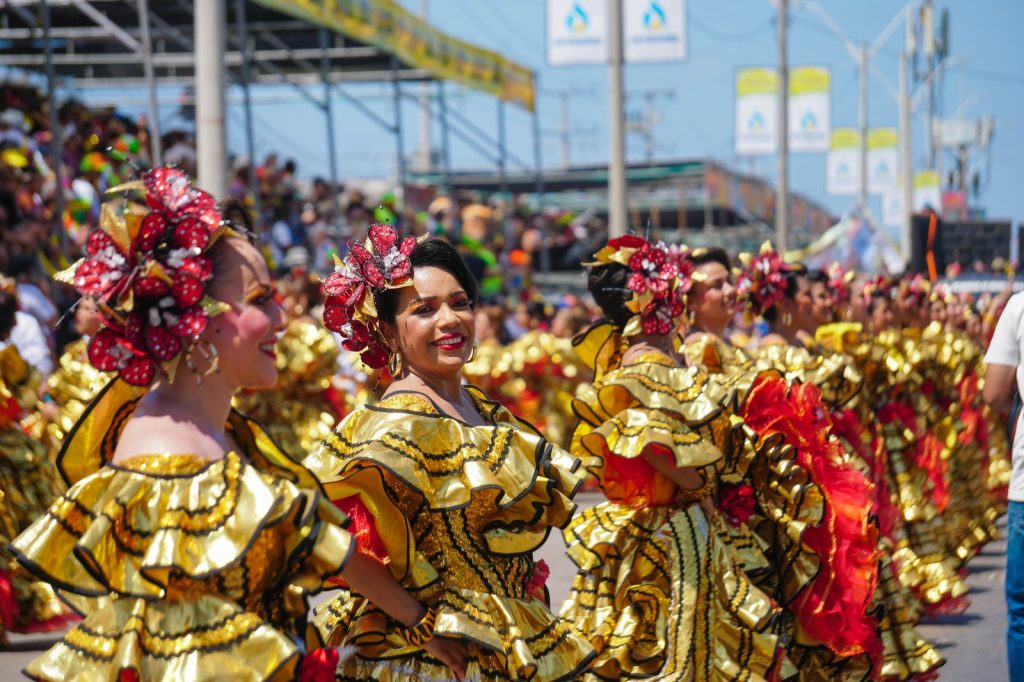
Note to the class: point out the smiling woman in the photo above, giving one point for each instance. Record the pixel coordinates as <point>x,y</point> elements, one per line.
<point>444,487</point>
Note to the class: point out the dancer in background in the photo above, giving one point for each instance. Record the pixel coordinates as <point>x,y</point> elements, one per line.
<point>445,487</point>
<point>28,485</point>
<point>658,591</point>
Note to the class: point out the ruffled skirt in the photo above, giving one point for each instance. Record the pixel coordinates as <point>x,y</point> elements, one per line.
<point>660,597</point>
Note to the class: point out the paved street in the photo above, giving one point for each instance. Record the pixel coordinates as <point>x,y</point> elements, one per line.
<point>973,642</point>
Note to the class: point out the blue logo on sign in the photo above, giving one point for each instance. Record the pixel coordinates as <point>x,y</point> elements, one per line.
<point>843,169</point>
<point>577,20</point>
<point>809,121</point>
<point>654,17</point>
<point>756,121</point>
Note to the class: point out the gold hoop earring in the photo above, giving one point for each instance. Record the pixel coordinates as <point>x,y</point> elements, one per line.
<point>787,319</point>
<point>209,353</point>
<point>472,354</point>
<point>394,363</point>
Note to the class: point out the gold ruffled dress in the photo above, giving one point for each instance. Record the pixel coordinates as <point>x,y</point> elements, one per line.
<point>182,568</point>
<point>28,485</point>
<point>72,386</point>
<point>456,512</point>
<point>659,591</point>
<point>903,652</point>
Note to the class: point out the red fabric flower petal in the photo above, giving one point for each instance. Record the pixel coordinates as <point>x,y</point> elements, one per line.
<point>199,267</point>
<point>190,232</point>
<point>407,245</point>
<point>150,287</point>
<point>366,265</point>
<point>162,344</point>
<point>383,237</point>
<point>187,290</point>
<point>93,277</point>
<point>152,230</point>
<point>191,323</point>
<point>319,665</point>
<point>101,350</point>
<point>374,356</point>
<point>97,241</point>
<point>336,316</point>
<point>139,372</point>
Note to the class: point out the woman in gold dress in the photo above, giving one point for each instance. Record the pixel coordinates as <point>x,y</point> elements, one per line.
<point>186,540</point>
<point>444,486</point>
<point>901,651</point>
<point>658,591</point>
<point>28,485</point>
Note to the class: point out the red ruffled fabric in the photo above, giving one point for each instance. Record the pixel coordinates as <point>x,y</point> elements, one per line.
<point>834,607</point>
<point>363,528</point>
<point>868,444</point>
<point>927,452</point>
<point>8,603</point>
<point>634,482</point>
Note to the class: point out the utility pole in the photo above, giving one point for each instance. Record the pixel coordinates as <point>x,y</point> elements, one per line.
<point>782,192</point>
<point>862,126</point>
<point>616,134</point>
<point>212,165</point>
<point>423,155</point>
<point>644,123</point>
<point>564,134</point>
<point>906,163</point>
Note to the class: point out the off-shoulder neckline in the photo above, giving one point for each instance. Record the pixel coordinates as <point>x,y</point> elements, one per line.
<point>125,464</point>
<point>485,407</point>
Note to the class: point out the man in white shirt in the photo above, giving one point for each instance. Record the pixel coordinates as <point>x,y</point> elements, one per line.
<point>28,336</point>
<point>1005,373</point>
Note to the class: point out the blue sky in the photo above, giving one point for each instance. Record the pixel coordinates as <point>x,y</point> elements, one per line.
<point>722,35</point>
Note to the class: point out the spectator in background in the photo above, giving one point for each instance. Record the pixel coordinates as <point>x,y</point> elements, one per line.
<point>1004,377</point>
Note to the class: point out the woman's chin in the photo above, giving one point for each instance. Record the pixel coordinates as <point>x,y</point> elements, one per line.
<point>262,381</point>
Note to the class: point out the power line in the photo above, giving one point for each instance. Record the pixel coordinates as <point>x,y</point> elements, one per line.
<point>995,75</point>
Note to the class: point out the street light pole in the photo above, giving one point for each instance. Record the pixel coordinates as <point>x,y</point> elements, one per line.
<point>782,116</point>
<point>616,127</point>
<point>212,165</point>
<point>862,125</point>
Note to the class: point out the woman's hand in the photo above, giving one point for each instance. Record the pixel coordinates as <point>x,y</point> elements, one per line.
<point>451,652</point>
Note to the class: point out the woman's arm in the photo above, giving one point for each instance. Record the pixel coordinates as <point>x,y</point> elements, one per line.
<point>688,479</point>
<point>1000,381</point>
<point>374,581</point>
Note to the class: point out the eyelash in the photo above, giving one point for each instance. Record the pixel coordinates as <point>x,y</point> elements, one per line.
<point>460,304</point>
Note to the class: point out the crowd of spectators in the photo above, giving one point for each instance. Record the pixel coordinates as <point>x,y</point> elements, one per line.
<point>303,223</point>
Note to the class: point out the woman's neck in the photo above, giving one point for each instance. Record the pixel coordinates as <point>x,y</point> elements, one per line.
<point>789,332</point>
<point>708,327</point>
<point>448,388</point>
<point>207,405</point>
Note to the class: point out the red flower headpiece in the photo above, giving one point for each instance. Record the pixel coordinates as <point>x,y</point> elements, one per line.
<point>880,284</point>
<point>383,263</point>
<point>839,283</point>
<point>762,282</point>
<point>149,271</point>
<point>657,281</point>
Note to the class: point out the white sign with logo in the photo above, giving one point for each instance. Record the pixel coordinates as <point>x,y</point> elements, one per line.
<point>757,92</point>
<point>892,208</point>
<point>842,166</point>
<point>810,116</point>
<point>577,32</point>
<point>883,159</point>
<point>654,30</point>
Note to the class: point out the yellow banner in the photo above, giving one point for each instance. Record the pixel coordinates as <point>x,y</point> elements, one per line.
<point>756,81</point>
<point>882,138</point>
<point>926,179</point>
<point>808,79</point>
<point>387,25</point>
<point>844,138</point>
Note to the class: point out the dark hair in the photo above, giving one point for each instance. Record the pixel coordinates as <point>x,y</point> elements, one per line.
<point>607,284</point>
<point>714,254</point>
<point>434,253</point>
<point>817,277</point>
<point>8,306</point>
<point>875,298</point>
<point>792,275</point>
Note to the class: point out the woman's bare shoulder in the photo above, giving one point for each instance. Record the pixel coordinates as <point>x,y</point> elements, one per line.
<point>162,434</point>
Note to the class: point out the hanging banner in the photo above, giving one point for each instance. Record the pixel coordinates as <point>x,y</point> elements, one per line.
<point>883,157</point>
<point>577,32</point>
<point>810,116</point>
<point>842,169</point>
<point>892,207</point>
<point>654,30</point>
<point>388,26</point>
<point>757,91</point>
<point>927,191</point>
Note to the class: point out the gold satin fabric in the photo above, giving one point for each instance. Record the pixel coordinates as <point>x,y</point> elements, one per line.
<point>181,568</point>
<point>460,509</point>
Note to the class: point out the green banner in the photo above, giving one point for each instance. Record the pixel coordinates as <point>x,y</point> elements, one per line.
<point>387,25</point>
